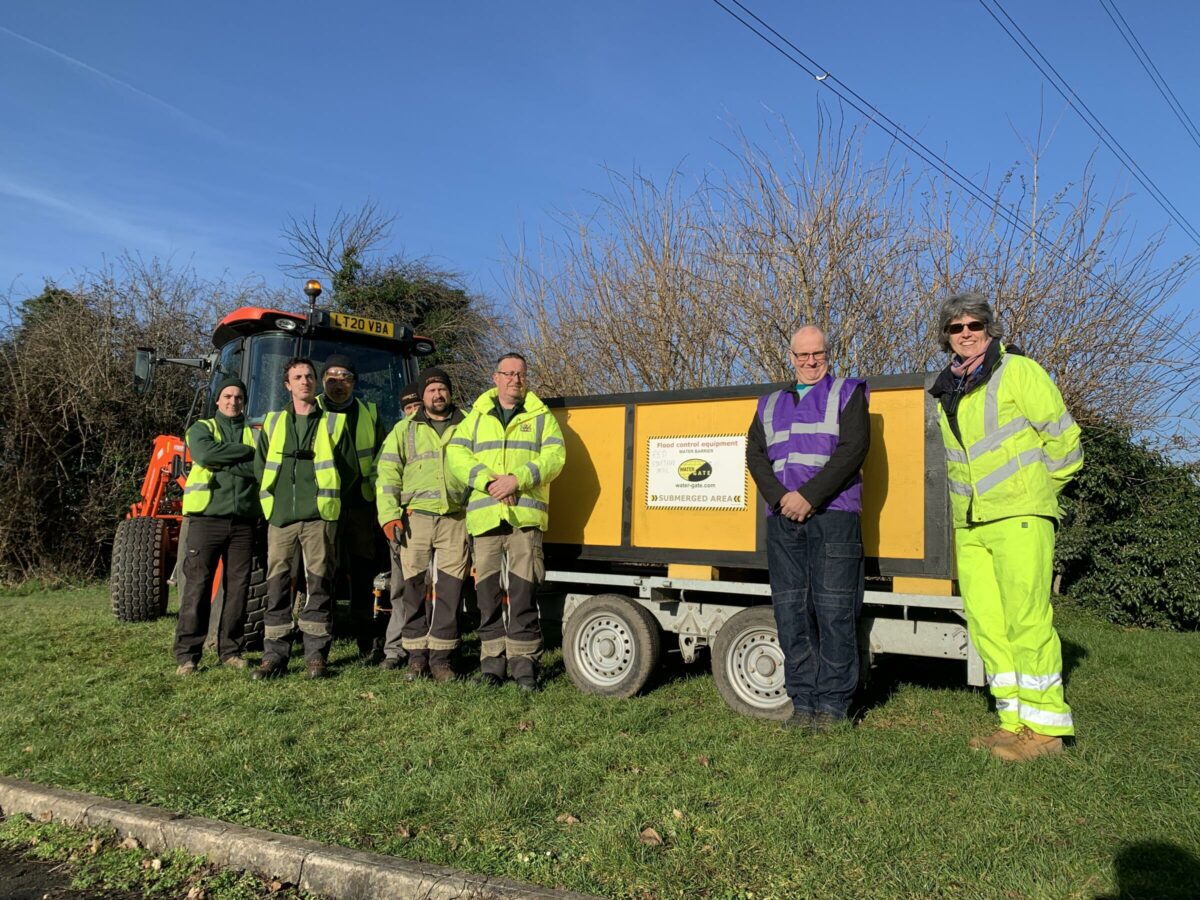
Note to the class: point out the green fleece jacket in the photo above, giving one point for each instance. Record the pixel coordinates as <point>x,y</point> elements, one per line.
<point>234,482</point>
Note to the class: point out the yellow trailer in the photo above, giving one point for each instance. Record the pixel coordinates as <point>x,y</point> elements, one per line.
<point>656,529</point>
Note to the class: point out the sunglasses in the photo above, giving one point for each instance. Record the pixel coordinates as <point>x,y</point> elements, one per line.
<point>957,327</point>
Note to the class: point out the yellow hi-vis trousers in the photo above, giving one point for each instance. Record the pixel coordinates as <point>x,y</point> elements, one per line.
<point>1004,572</point>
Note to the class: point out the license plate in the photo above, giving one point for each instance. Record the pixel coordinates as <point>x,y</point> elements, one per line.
<point>376,327</point>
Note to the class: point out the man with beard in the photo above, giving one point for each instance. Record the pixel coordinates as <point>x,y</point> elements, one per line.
<point>421,512</point>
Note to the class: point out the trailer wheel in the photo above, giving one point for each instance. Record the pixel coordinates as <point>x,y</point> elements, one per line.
<point>747,664</point>
<point>611,646</point>
<point>138,584</point>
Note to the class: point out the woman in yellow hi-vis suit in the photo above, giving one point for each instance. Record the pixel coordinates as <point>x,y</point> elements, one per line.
<point>1011,447</point>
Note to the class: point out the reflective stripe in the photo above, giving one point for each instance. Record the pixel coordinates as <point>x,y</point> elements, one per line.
<point>535,472</point>
<point>331,423</point>
<point>416,458</point>
<point>1044,717</point>
<point>1053,465</point>
<point>331,493</point>
<point>263,495</point>
<point>530,503</point>
<point>956,456</point>
<point>553,442</point>
<point>410,434</point>
<point>958,487</point>
<point>323,465</point>
<point>478,470</point>
<point>807,459</point>
<point>1039,682</point>
<point>1055,429</point>
<point>392,489</point>
<point>193,488</point>
<point>991,402</point>
<point>271,467</point>
<point>541,427</point>
<point>517,445</point>
<point>366,453</point>
<point>488,445</point>
<point>993,439</point>
<point>1007,704</point>
<point>1009,469</point>
<point>420,495</point>
<point>460,442</point>
<point>390,457</point>
<point>1002,679</point>
<point>482,503</point>
<point>768,417</point>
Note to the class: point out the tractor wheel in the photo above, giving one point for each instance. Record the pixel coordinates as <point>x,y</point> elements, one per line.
<point>747,664</point>
<point>256,602</point>
<point>138,584</point>
<point>611,646</point>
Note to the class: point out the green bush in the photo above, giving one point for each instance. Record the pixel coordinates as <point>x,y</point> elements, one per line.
<point>1131,531</point>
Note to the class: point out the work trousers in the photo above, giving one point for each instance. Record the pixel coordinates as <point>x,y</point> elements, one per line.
<point>316,540</point>
<point>429,564</point>
<point>211,539</point>
<point>357,541</point>
<point>1004,571</point>
<point>817,579</point>
<point>509,561</point>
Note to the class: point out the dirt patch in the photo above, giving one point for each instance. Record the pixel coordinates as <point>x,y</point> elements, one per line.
<point>34,879</point>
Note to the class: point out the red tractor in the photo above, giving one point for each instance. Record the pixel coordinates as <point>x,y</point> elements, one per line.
<point>252,343</point>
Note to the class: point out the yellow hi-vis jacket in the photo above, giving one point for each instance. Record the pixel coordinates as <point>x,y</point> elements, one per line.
<point>531,448</point>
<point>198,490</point>
<point>329,482</point>
<point>411,471</point>
<point>1019,446</point>
<point>364,442</point>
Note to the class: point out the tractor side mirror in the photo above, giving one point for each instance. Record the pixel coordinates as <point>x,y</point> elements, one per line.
<point>143,370</point>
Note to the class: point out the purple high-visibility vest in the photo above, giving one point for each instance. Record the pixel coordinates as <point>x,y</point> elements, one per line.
<point>803,433</point>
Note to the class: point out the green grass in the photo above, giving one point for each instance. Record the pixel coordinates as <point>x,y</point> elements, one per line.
<point>467,777</point>
<point>98,860</point>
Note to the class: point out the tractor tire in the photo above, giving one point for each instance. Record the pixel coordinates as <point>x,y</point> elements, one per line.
<point>138,584</point>
<point>611,646</point>
<point>747,664</point>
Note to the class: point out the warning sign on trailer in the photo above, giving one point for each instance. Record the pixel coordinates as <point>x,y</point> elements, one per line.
<point>697,472</point>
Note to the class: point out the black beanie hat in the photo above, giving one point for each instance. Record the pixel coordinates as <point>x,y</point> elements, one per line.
<point>409,395</point>
<point>341,361</point>
<point>432,375</point>
<point>230,381</point>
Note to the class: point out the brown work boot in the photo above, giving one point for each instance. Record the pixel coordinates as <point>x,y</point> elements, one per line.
<point>995,739</point>
<point>418,668</point>
<point>270,667</point>
<point>317,668</point>
<point>235,662</point>
<point>442,672</point>
<point>1028,745</point>
<point>186,668</point>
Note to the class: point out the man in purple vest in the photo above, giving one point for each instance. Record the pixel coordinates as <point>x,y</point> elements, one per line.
<point>805,450</point>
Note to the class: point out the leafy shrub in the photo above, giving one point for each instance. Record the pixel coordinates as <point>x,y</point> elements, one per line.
<point>1132,528</point>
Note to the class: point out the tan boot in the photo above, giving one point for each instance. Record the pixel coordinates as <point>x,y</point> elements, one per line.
<point>995,739</point>
<point>1028,745</point>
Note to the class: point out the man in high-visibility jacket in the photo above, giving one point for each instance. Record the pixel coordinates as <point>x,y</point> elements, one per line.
<point>220,503</point>
<point>507,451</point>
<point>304,456</point>
<point>357,536</point>
<point>421,513</point>
<point>1011,447</point>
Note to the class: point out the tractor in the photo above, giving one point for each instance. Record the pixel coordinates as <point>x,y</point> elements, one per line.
<point>252,343</point>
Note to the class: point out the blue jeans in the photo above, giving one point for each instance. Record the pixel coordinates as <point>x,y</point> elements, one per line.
<point>816,570</point>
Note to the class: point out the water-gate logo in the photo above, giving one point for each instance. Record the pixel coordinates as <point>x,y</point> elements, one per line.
<point>695,469</point>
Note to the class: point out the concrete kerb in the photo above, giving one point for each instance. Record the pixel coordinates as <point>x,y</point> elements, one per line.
<point>335,872</point>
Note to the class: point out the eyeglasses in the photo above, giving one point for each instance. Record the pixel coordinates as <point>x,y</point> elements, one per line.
<point>339,375</point>
<point>512,376</point>
<point>818,356</point>
<point>957,327</point>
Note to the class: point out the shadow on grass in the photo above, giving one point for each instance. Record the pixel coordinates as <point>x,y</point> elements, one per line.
<point>1157,870</point>
<point>1073,654</point>
<point>893,672</point>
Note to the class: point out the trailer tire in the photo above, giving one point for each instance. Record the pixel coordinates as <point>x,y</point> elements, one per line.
<point>747,664</point>
<point>138,583</point>
<point>611,646</point>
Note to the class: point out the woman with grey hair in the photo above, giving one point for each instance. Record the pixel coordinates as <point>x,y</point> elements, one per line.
<point>1011,447</point>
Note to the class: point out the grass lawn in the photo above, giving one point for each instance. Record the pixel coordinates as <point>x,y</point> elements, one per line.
<point>484,779</point>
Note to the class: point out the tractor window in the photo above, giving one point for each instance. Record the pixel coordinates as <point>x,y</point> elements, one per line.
<point>268,353</point>
<point>229,363</point>
<point>381,374</point>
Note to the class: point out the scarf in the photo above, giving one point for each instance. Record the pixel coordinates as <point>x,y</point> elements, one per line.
<point>961,367</point>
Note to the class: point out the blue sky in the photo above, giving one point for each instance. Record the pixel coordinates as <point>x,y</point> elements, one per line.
<point>193,131</point>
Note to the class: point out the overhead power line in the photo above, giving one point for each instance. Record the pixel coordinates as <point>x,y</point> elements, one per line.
<point>846,94</point>
<point>1151,69</point>
<point>1060,84</point>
